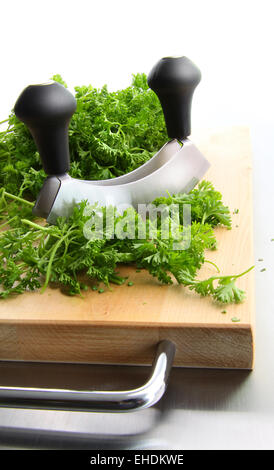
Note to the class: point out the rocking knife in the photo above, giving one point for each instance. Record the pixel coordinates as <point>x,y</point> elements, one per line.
<point>47,108</point>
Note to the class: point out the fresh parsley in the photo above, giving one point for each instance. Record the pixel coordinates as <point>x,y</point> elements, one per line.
<point>33,255</point>
<point>111,133</point>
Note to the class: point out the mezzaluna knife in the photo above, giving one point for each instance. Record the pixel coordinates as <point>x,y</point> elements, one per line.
<point>47,108</point>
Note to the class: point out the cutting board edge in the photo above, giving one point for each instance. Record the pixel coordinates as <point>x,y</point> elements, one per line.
<point>195,346</point>
<point>124,324</point>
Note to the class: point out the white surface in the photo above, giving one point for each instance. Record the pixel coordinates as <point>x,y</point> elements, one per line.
<point>103,41</point>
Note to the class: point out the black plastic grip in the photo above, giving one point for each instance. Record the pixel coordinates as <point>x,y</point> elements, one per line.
<point>174,80</point>
<point>46,110</point>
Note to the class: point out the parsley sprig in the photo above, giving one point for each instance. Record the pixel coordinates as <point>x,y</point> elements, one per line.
<point>111,133</point>
<point>33,255</point>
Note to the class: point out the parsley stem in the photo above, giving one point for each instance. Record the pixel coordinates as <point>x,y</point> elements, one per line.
<point>245,272</point>
<point>37,226</point>
<point>8,221</point>
<point>19,199</point>
<point>8,131</point>
<point>137,148</point>
<point>234,276</point>
<point>116,279</point>
<point>56,246</point>
<point>213,264</point>
<point>205,216</point>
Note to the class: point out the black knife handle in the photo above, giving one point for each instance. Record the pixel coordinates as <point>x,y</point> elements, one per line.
<point>174,80</point>
<point>46,110</point>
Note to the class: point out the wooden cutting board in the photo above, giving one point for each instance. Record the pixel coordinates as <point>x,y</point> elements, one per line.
<point>124,325</point>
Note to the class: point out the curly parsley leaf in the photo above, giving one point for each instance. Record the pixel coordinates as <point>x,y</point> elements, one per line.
<point>111,133</point>
<point>34,255</point>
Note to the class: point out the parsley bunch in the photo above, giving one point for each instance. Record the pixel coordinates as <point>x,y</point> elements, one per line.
<point>111,133</point>
<point>34,255</point>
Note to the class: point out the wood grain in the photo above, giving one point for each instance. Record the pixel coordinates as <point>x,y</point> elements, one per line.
<point>124,325</point>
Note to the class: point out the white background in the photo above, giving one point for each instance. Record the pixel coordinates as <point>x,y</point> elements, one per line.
<point>97,42</point>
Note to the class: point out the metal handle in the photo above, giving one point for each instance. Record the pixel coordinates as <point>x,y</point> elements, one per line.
<point>107,401</point>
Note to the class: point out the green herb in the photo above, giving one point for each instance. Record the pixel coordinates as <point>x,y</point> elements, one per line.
<point>111,133</point>
<point>262,270</point>
<point>83,287</point>
<point>32,256</point>
<point>235,319</point>
<point>206,205</point>
<point>223,311</point>
<point>130,283</point>
<point>115,279</point>
<point>236,211</point>
<point>226,290</point>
